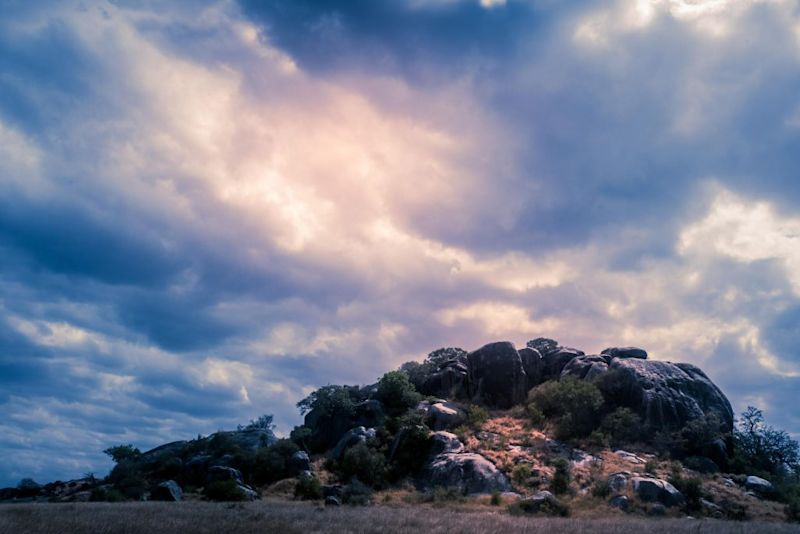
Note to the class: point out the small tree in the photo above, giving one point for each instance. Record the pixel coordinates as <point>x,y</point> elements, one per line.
<point>571,404</point>
<point>118,453</point>
<point>762,447</point>
<point>397,393</point>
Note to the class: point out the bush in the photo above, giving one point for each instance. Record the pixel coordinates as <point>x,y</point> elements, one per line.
<point>119,453</point>
<point>691,488</point>
<point>476,416</point>
<point>495,500</point>
<point>365,464</point>
<point>792,510</point>
<point>413,446</point>
<point>536,416</point>
<point>601,489</point>
<point>762,448</point>
<point>106,495</point>
<point>357,493</point>
<point>520,474</point>
<point>571,404</point>
<point>622,426</point>
<point>397,393</point>
<point>272,463</point>
<point>224,491</point>
<point>333,410</point>
<point>561,478</point>
<point>308,488</point>
<point>650,467</point>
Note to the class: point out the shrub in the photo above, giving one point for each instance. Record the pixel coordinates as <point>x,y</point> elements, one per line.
<point>224,491</point>
<point>622,426</point>
<point>495,500</point>
<point>650,467</point>
<point>414,442</point>
<point>333,410</point>
<point>300,436</point>
<point>562,477</point>
<point>760,447</point>
<point>106,495</point>
<point>691,488</point>
<point>601,489</point>
<point>476,416</point>
<point>272,463</point>
<point>571,403</point>
<point>520,474</point>
<point>308,488</point>
<point>397,393</point>
<point>792,510</point>
<point>119,453</point>
<point>536,416</point>
<point>357,493</point>
<point>365,464</point>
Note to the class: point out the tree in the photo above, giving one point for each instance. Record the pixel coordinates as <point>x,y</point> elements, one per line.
<point>397,393</point>
<point>763,447</point>
<point>119,453</point>
<point>571,404</point>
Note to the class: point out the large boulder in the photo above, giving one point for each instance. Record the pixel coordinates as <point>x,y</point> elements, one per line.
<point>496,376</point>
<point>444,415</point>
<point>625,352</point>
<point>758,485</point>
<point>168,491</point>
<point>220,473</point>
<point>468,473</point>
<point>352,438</point>
<point>444,443</point>
<point>249,439</point>
<point>585,367</point>
<point>554,362</point>
<point>668,395</point>
<point>449,381</point>
<point>657,490</point>
<point>533,365</point>
<point>298,463</point>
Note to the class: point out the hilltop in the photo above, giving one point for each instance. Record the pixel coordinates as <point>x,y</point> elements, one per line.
<point>545,430</point>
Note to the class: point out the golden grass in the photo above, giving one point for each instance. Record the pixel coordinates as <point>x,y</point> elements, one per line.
<point>292,517</point>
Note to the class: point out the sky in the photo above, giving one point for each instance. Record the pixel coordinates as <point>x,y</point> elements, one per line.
<point>208,209</point>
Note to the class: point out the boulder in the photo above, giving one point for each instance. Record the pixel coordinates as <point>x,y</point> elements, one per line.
<point>668,395</point>
<point>585,367</point>
<point>250,439</point>
<point>444,415</point>
<point>543,345</point>
<point>466,472</point>
<point>554,362</point>
<point>449,381</point>
<point>533,365</point>
<point>445,442</point>
<point>352,437</point>
<point>168,491</point>
<point>219,473</point>
<point>332,490</point>
<point>330,500</point>
<point>625,352</point>
<point>758,485</point>
<point>629,457</point>
<point>496,376</point>
<point>657,490</point>
<point>657,510</point>
<point>299,462</point>
<point>542,501</point>
<point>249,493</point>
<point>620,501</point>
<point>618,481</point>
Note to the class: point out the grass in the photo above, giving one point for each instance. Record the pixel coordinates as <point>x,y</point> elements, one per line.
<point>294,517</point>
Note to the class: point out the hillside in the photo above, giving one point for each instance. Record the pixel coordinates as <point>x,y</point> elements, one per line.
<point>545,430</point>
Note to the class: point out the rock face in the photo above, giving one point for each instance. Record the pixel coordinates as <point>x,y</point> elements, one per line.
<point>168,491</point>
<point>444,443</point>
<point>554,362</point>
<point>668,395</point>
<point>220,473</point>
<point>442,415</point>
<point>625,352</point>
<point>657,490</point>
<point>585,367</point>
<point>533,365</point>
<point>496,376</point>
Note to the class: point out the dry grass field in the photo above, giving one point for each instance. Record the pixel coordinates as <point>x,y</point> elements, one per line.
<point>283,517</point>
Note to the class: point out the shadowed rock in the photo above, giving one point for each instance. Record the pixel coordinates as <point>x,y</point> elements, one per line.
<point>468,473</point>
<point>585,367</point>
<point>654,489</point>
<point>625,352</point>
<point>168,491</point>
<point>496,376</point>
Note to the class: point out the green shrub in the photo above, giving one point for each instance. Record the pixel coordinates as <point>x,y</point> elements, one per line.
<point>601,489</point>
<point>571,404</point>
<point>119,453</point>
<point>691,488</point>
<point>476,416</point>
<point>561,478</point>
<point>308,488</point>
<point>397,393</point>
<point>365,464</point>
<point>622,426</point>
<point>495,500</point>
<point>520,474</point>
<point>792,510</point>
<point>415,441</point>
<point>356,493</point>
<point>650,467</point>
<point>536,416</point>
<point>224,491</point>
<point>272,463</point>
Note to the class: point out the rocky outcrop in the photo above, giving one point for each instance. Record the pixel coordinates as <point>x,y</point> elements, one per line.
<point>625,352</point>
<point>298,463</point>
<point>554,362</point>
<point>445,443</point>
<point>168,491</point>
<point>533,365</point>
<point>585,367</point>
<point>541,502</point>
<point>221,473</point>
<point>668,395</point>
<point>657,490</point>
<point>496,376</point>
<point>759,486</point>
